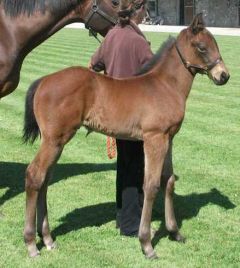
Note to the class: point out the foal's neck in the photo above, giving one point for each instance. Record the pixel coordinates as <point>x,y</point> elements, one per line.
<point>178,77</point>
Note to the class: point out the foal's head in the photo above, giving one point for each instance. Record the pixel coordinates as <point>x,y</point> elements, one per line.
<point>200,53</point>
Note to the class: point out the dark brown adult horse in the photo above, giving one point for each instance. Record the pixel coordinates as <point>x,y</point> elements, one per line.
<point>26,24</point>
<point>149,107</point>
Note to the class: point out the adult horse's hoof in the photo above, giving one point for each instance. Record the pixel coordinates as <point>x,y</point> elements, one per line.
<point>176,236</point>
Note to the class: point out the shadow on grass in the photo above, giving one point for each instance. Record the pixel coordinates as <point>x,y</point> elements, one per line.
<point>12,175</point>
<point>94,215</point>
<point>187,207</point>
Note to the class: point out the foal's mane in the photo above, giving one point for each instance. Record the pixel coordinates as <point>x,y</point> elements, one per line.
<point>158,56</point>
<point>18,7</point>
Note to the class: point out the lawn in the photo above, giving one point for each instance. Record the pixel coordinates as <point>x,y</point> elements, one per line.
<point>81,196</point>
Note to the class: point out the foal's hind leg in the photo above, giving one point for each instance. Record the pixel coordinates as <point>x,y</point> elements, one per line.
<point>168,181</point>
<point>171,223</point>
<point>42,215</point>
<point>35,179</point>
<point>155,149</point>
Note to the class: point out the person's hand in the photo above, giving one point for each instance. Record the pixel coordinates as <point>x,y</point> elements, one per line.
<point>98,67</point>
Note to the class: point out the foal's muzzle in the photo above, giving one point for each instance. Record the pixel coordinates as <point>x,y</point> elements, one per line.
<point>224,77</point>
<point>219,74</point>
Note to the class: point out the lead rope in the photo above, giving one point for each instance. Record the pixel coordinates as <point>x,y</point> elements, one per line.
<point>94,34</point>
<point>111,147</point>
<point>111,142</point>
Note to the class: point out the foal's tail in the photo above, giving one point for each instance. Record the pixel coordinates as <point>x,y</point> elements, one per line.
<point>31,129</point>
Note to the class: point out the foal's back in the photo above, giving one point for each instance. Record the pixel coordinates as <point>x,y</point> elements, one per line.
<point>117,107</point>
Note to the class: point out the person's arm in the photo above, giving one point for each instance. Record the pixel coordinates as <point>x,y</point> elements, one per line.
<point>97,60</point>
<point>144,51</point>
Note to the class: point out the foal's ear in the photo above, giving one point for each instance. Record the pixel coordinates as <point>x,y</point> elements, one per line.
<point>197,24</point>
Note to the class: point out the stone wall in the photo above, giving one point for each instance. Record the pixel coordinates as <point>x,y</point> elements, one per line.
<point>219,13</point>
<point>169,11</point>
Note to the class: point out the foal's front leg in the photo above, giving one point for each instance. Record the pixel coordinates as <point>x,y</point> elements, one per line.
<point>168,182</point>
<point>155,149</point>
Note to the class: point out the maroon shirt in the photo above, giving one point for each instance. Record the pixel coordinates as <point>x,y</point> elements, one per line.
<point>123,52</point>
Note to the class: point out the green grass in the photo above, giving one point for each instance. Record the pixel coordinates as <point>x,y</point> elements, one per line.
<point>81,196</point>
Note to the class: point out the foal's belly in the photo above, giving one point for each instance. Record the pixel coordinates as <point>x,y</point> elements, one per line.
<point>114,130</point>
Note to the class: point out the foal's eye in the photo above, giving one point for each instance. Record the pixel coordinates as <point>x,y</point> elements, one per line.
<point>201,49</point>
<point>115,2</point>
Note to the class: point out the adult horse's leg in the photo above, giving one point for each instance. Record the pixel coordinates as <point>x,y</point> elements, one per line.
<point>36,175</point>
<point>155,149</point>
<point>168,181</point>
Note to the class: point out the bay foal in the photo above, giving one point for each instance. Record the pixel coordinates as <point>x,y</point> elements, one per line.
<point>149,107</point>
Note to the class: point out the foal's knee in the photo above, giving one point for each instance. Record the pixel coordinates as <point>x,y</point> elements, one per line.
<point>33,181</point>
<point>151,189</point>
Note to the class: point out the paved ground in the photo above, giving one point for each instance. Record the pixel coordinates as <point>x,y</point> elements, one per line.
<point>174,29</point>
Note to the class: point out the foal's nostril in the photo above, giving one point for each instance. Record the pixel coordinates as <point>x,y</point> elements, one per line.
<point>224,77</point>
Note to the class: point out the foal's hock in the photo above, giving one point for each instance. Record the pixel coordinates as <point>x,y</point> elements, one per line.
<point>149,107</point>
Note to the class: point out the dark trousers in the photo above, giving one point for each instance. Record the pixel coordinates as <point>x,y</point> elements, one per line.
<point>129,185</point>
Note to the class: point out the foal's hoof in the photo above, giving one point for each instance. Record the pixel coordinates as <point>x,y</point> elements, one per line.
<point>34,254</point>
<point>152,256</point>
<point>51,246</point>
<point>176,236</point>
<point>33,251</point>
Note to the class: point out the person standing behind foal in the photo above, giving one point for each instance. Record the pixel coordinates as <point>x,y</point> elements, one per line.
<point>122,54</point>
